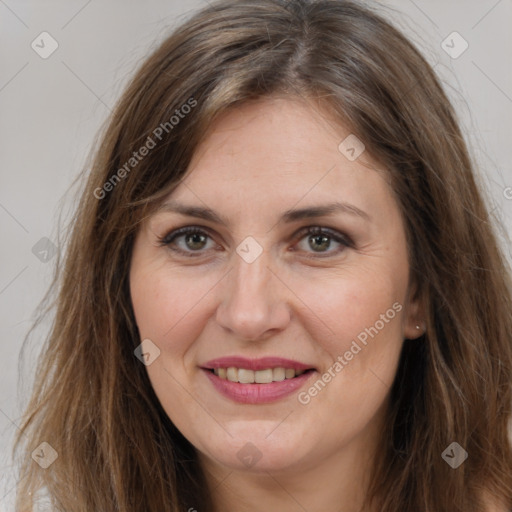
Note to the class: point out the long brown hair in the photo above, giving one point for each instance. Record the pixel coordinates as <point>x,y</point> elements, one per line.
<point>93,402</point>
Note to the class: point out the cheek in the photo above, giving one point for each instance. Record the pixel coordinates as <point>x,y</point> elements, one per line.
<point>170,309</point>
<point>169,306</point>
<point>353,306</point>
<point>357,320</point>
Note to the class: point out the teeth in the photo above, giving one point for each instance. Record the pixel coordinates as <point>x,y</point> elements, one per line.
<point>278,374</point>
<point>263,376</point>
<point>232,374</point>
<point>245,376</point>
<point>289,373</point>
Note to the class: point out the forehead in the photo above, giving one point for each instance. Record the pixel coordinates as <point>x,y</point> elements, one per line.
<point>278,148</point>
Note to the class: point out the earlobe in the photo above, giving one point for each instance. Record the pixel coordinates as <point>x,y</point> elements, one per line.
<point>414,331</point>
<point>420,329</point>
<point>414,327</point>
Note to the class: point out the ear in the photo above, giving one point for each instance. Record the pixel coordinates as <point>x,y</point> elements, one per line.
<point>413,323</point>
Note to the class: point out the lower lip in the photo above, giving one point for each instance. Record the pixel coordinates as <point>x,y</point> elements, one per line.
<point>257,393</point>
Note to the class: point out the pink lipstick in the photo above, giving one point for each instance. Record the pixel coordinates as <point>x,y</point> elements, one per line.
<point>256,381</point>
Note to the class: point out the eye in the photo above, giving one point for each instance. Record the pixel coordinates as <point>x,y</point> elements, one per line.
<point>188,240</point>
<point>193,241</point>
<point>320,240</point>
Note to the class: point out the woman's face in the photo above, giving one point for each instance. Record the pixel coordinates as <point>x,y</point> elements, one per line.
<point>316,319</point>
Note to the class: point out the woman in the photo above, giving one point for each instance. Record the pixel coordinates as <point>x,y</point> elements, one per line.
<point>282,288</point>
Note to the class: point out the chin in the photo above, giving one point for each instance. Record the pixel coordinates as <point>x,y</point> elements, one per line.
<point>257,451</point>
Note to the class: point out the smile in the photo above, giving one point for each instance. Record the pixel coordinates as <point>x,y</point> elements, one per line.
<point>256,381</point>
<point>245,376</point>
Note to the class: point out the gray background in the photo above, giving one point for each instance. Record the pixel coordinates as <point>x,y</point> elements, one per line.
<point>52,108</point>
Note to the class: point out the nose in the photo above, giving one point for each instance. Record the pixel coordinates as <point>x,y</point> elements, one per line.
<point>253,302</point>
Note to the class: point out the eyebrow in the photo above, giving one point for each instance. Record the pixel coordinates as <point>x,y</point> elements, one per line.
<point>287,217</point>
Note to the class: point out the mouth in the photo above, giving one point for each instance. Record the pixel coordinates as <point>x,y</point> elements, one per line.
<point>257,381</point>
<point>266,376</point>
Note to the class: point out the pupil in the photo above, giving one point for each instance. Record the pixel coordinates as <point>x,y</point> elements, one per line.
<point>196,241</point>
<point>321,240</point>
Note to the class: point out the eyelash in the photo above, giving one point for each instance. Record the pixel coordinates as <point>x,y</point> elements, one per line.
<point>340,238</point>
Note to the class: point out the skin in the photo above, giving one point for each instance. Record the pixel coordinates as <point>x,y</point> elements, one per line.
<point>256,162</point>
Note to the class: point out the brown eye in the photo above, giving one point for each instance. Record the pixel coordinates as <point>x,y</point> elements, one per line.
<point>323,241</point>
<point>319,242</point>
<point>188,240</point>
<point>195,241</point>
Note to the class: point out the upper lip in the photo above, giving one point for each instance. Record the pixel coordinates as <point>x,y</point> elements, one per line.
<point>262,363</point>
